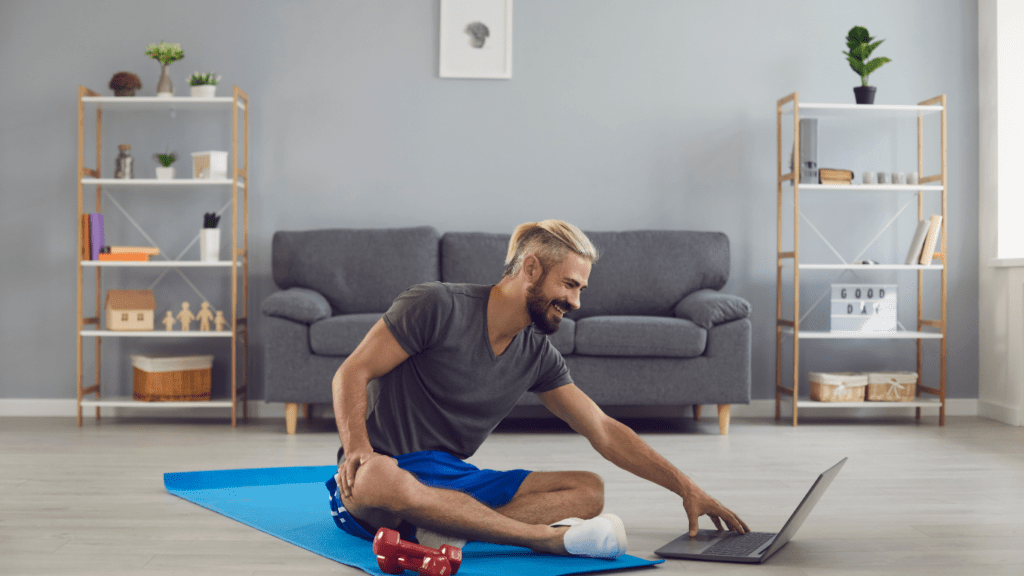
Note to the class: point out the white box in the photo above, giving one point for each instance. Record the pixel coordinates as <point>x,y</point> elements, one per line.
<point>210,165</point>
<point>864,307</point>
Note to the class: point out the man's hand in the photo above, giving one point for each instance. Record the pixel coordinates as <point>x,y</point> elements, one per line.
<point>697,503</point>
<point>347,469</point>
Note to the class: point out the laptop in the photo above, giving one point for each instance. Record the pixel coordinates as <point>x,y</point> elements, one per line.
<point>753,547</point>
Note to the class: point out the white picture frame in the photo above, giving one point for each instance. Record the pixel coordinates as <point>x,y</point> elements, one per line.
<point>475,39</point>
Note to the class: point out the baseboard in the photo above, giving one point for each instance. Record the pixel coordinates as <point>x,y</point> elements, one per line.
<point>756,409</point>
<point>69,408</point>
<point>1004,413</point>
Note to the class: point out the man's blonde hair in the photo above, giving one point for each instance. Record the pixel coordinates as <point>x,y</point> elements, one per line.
<point>550,241</point>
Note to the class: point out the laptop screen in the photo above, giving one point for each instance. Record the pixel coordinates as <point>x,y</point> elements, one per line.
<point>805,507</point>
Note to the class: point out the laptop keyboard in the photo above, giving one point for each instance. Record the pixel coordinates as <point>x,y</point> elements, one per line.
<point>739,545</point>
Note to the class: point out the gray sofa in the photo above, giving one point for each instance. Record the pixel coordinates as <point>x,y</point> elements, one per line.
<point>653,330</point>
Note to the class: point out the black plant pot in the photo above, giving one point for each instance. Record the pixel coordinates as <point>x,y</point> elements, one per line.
<point>864,94</point>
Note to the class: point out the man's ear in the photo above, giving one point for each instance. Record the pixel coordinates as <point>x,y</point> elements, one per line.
<point>532,267</point>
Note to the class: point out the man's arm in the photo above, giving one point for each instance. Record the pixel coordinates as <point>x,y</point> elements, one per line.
<point>622,447</point>
<point>378,354</point>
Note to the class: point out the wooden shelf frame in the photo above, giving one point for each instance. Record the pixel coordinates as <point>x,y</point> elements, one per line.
<point>238,263</point>
<point>787,327</point>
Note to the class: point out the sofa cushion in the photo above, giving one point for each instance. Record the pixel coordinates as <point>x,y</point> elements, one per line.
<point>473,257</point>
<point>647,272</point>
<point>565,339</point>
<point>707,308</point>
<point>639,336</point>
<point>358,271</point>
<point>642,272</point>
<point>339,335</point>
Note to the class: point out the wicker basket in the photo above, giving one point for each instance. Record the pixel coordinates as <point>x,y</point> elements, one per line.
<point>892,386</point>
<point>171,379</point>
<point>837,386</point>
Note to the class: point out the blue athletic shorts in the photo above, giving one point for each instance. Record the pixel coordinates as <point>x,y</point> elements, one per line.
<point>439,470</point>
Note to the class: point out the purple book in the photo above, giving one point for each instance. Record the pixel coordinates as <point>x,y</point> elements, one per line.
<point>96,240</point>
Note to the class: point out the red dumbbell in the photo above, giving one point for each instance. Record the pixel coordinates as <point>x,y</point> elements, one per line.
<point>426,566</point>
<point>388,544</point>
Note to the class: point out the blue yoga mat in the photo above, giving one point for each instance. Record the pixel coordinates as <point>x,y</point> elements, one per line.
<point>292,504</point>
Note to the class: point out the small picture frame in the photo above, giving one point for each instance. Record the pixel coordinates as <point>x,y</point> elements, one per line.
<point>475,39</point>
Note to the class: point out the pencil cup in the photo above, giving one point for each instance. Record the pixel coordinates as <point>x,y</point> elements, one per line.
<point>209,245</point>
<point>883,177</point>
<point>869,178</point>
<point>912,178</point>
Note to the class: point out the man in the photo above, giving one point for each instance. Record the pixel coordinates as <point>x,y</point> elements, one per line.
<point>441,369</point>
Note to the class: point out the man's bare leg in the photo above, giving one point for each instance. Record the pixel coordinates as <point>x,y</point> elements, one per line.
<point>547,497</point>
<point>383,494</point>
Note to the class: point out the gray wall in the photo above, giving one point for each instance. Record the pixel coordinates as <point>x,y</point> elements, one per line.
<point>619,115</point>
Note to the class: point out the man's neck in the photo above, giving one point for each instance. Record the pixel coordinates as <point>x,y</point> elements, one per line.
<point>506,314</point>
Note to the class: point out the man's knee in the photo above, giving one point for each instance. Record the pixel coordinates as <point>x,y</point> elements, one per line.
<point>591,488</point>
<point>379,484</point>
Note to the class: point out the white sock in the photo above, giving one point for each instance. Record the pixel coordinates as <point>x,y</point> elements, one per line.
<point>601,537</point>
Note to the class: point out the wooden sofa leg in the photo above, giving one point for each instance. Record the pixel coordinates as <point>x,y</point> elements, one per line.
<point>723,418</point>
<point>291,416</point>
<point>307,411</point>
<point>696,411</point>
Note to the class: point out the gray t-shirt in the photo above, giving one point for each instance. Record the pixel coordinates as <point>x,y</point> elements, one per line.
<point>452,390</point>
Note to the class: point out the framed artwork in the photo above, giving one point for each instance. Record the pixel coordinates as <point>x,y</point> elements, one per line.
<point>476,39</point>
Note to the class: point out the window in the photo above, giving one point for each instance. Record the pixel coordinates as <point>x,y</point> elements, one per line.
<point>141,317</point>
<point>124,317</point>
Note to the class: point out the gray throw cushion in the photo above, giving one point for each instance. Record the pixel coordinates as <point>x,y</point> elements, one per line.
<point>639,336</point>
<point>298,304</point>
<point>565,339</point>
<point>707,308</point>
<point>339,335</point>
<point>357,271</point>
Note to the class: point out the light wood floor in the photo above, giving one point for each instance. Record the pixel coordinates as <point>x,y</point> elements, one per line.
<point>914,499</point>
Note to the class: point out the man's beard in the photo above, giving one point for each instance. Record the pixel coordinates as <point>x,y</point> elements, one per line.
<point>538,308</point>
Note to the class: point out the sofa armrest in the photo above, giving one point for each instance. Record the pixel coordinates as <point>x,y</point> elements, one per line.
<point>707,308</point>
<point>298,304</point>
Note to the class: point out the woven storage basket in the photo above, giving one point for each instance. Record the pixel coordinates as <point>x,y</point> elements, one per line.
<point>892,386</point>
<point>171,379</point>
<point>837,386</point>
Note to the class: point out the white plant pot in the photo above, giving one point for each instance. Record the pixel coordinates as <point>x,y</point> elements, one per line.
<point>204,91</point>
<point>165,173</point>
<point>209,245</point>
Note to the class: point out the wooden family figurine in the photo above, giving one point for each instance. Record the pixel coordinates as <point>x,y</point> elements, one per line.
<point>186,317</point>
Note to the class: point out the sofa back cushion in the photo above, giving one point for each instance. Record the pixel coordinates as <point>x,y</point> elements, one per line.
<point>640,272</point>
<point>357,270</point>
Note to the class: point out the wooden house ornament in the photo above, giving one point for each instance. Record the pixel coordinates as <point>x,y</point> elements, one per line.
<point>130,309</point>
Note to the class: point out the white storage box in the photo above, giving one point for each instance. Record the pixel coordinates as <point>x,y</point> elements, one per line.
<point>892,386</point>
<point>864,307</point>
<point>171,379</point>
<point>838,386</point>
<point>212,164</point>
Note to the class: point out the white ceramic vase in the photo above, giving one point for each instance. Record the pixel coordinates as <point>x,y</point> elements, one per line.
<point>204,91</point>
<point>209,245</point>
<point>165,173</point>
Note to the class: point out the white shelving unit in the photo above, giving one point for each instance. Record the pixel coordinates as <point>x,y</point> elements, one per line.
<point>926,329</point>
<point>237,264</point>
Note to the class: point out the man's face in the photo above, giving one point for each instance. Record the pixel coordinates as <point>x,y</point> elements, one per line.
<point>557,292</point>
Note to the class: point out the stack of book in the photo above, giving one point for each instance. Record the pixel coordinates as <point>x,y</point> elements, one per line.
<point>128,253</point>
<point>835,176</point>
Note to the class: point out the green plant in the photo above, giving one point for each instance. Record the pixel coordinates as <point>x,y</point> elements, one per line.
<point>861,45</point>
<point>164,52</point>
<point>197,79</point>
<point>125,84</point>
<point>167,159</point>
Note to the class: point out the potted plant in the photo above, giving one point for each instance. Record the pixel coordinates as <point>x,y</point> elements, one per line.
<point>165,171</point>
<point>125,84</point>
<point>165,53</point>
<point>861,45</point>
<point>204,85</point>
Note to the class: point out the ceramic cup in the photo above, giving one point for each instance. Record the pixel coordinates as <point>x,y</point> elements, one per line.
<point>912,178</point>
<point>899,178</point>
<point>883,177</point>
<point>869,178</point>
